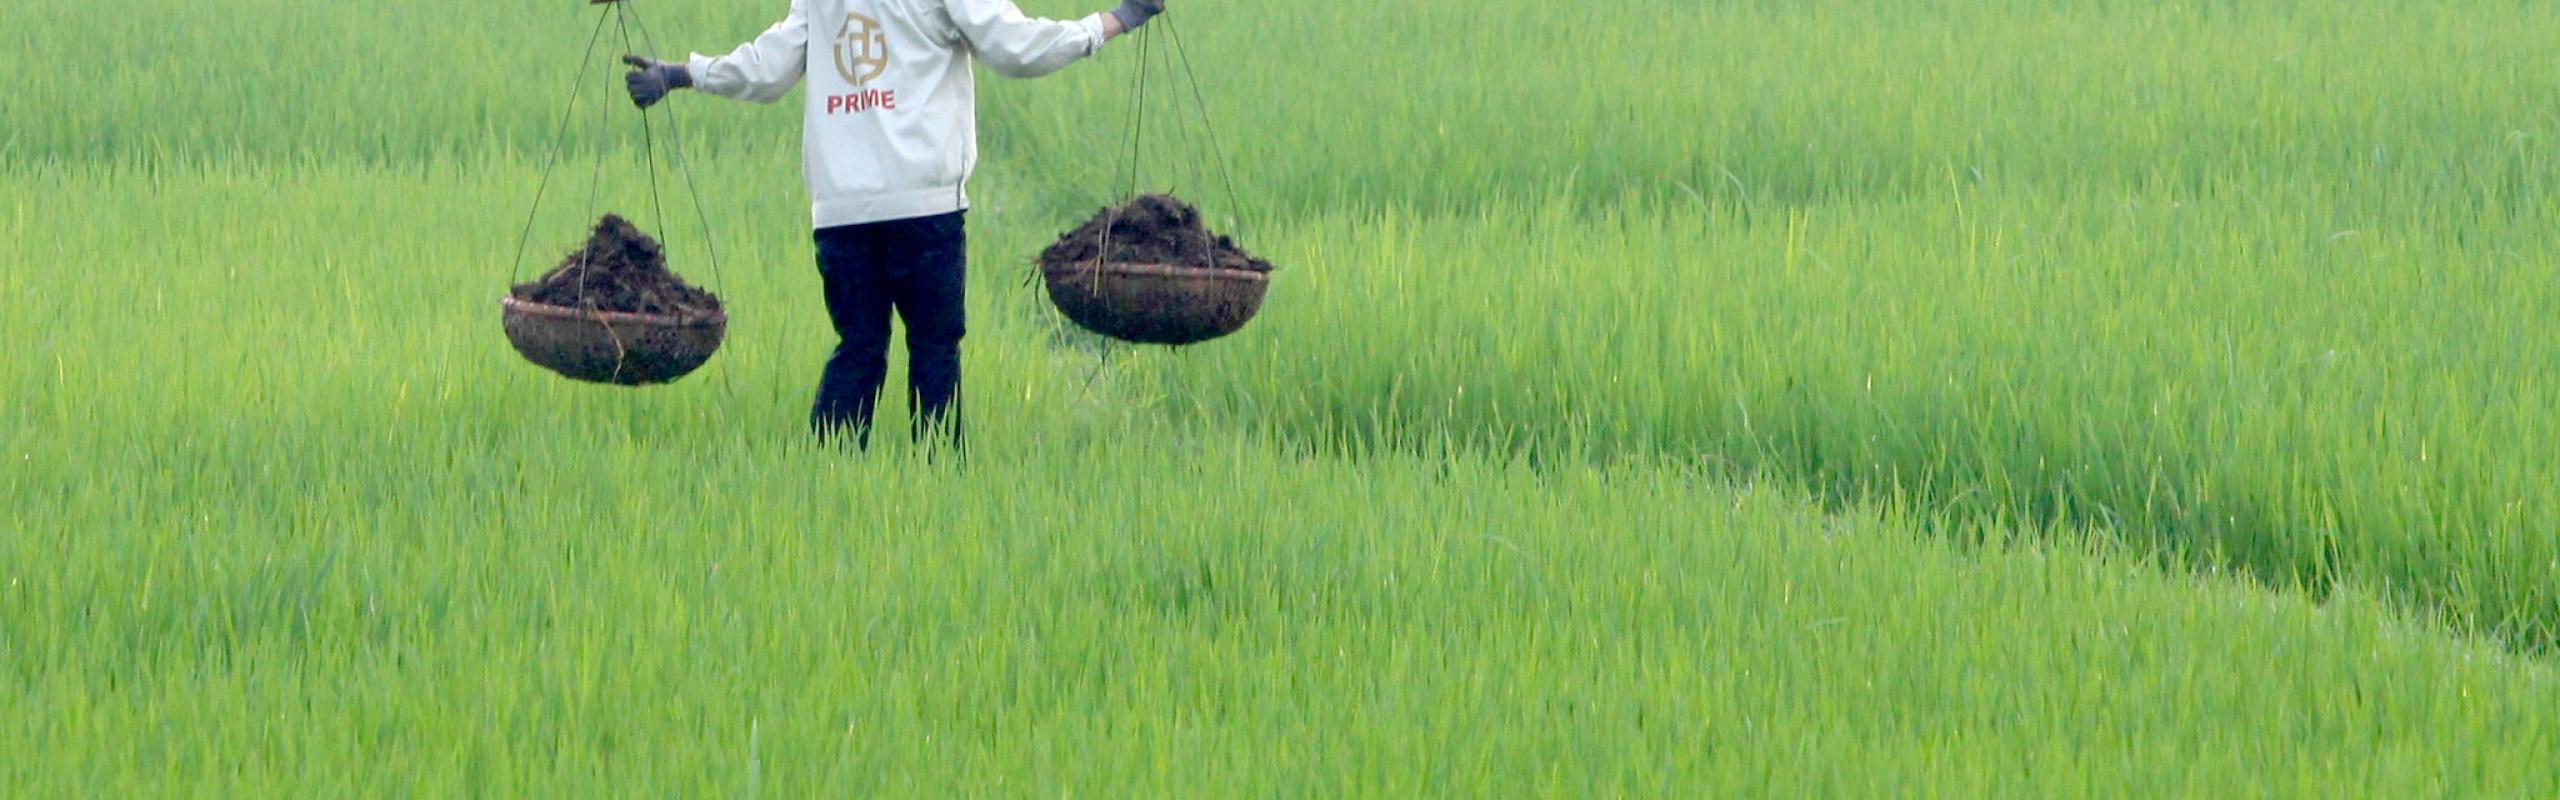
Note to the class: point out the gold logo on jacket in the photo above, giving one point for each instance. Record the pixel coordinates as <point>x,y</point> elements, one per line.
<point>862,49</point>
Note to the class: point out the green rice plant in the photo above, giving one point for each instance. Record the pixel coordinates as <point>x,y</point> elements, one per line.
<point>1659,399</point>
<point>2294,390</point>
<point>347,546</point>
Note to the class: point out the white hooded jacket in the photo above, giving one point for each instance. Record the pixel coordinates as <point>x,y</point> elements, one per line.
<point>892,116</point>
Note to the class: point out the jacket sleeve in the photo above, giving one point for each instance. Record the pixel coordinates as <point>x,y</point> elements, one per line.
<point>760,71</point>
<point>1020,46</point>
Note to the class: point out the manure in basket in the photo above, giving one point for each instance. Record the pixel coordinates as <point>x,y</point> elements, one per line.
<point>619,269</point>
<point>1152,229</point>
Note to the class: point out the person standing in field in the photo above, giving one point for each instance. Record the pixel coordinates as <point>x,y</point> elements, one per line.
<point>890,136</point>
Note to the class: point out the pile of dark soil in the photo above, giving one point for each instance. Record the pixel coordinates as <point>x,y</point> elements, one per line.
<point>619,269</point>
<point>1153,229</point>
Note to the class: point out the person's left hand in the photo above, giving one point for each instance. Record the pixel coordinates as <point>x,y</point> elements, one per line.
<point>650,81</point>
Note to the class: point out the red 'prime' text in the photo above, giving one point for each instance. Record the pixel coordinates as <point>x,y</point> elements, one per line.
<point>862,101</point>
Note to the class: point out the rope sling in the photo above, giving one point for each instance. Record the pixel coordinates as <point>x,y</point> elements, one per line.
<point>624,15</point>
<point>1132,159</point>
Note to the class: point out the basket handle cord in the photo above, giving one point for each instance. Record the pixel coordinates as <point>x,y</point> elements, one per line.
<point>1132,152</point>
<point>625,15</point>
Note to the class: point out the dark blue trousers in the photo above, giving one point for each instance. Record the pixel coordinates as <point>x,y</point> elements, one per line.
<point>918,269</point>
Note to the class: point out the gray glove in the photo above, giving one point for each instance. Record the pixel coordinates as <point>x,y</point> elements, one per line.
<point>1133,13</point>
<point>650,81</point>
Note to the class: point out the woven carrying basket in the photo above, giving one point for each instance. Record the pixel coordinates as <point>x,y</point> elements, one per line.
<point>1157,303</point>
<point>612,347</point>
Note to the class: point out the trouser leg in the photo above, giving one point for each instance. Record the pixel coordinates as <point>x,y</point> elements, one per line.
<point>932,300</point>
<point>851,267</point>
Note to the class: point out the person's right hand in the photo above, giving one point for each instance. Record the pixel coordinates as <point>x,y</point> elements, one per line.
<point>650,81</point>
<point>1133,13</point>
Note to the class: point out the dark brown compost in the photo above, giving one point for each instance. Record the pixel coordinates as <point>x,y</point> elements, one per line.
<point>619,269</point>
<point>1152,229</point>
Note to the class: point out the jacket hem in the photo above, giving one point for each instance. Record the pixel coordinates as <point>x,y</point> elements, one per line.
<point>871,208</point>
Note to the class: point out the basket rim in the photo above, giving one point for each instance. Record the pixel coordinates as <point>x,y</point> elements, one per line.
<point>1159,270</point>
<point>547,310</point>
